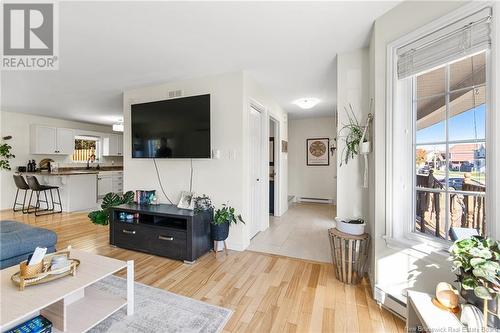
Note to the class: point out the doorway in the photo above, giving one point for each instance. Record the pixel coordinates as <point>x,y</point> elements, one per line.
<point>273,166</point>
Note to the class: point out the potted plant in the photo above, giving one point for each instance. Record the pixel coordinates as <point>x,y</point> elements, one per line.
<point>350,226</point>
<point>202,203</point>
<point>5,153</point>
<point>110,200</point>
<point>352,138</point>
<point>223,218</point>
<point>476,264</point>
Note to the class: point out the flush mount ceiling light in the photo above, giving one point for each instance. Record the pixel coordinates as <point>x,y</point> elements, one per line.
<point>118,127</point>
<point>306,103</point>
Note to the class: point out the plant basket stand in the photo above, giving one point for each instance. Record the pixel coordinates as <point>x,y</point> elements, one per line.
<point>349,254</point>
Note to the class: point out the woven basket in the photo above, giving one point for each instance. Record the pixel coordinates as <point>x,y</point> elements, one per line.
<point>28,271</point>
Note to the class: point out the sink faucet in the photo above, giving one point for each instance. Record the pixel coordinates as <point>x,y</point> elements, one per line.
<point>91,158</point>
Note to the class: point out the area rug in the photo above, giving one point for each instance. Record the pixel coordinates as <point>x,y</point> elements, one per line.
<point>157,310</point>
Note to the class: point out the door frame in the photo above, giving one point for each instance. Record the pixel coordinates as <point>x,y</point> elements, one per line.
<point>263,221</point>
<point>277,164</point>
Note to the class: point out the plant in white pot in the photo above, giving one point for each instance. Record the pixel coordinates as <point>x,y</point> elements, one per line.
<point>355,136</point>
<point>350,226</point>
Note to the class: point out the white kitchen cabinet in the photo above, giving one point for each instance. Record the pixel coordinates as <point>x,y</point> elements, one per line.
<point>118,182</point>
<point>109,181</point>
<point>51,140</point>
<point>65,141</point>
<point>112,145</point>
<point>104,184</point>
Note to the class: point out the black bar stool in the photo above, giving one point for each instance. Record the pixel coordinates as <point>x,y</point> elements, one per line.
<point>36,187</point>
<point>21,186</point>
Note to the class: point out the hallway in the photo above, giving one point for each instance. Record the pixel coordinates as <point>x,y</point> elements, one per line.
<point>302,232</point>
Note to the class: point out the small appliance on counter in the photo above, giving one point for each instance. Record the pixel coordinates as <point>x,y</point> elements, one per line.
<point>21,168</point>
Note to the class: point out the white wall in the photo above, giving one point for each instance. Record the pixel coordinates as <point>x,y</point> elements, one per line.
<point>310,181</point>
<point>398,268</point>
<point>352,88</point>
<point>224,179</point>
<point>18,125</point>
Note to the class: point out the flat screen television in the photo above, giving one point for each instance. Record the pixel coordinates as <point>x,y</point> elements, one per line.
<point>173,128</point>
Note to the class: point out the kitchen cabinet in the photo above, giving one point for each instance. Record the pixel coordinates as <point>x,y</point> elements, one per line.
<point>51,140</point>
<point>109,181</point>
<point>104,185</point>
<point>112,145</point>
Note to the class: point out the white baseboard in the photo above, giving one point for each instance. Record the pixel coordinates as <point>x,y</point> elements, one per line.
<point>390,302</point>
<point>235,246</point>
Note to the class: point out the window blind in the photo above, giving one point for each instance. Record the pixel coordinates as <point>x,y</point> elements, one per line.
<point>452,42</point>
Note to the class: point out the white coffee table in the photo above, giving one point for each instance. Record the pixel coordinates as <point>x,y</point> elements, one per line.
<point>71,303</point>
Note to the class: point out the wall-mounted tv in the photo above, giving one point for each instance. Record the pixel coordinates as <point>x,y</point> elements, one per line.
<point>173,128</point>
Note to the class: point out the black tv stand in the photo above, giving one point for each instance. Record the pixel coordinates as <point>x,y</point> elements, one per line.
<point>163,230</point>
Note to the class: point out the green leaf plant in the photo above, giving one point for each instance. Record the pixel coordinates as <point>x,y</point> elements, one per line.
<point>5,153</point>
<point>352,137</point>
<point>476,264</point>
<point>226,214</point>
<point>102,216</point>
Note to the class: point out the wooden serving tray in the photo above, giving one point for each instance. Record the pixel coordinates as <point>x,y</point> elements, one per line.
<point>47,273</point>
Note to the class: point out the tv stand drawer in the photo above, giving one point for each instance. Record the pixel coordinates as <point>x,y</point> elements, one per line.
<point>129,236</point>
<point>168,243</point>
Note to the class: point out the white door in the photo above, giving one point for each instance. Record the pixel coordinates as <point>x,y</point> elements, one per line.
<point>65,141</point>
<point>255,171</point>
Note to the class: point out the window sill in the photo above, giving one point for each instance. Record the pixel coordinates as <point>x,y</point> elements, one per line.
<point>433,252</point>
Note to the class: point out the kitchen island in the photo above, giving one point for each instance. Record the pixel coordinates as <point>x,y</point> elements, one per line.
<point>78,188</point>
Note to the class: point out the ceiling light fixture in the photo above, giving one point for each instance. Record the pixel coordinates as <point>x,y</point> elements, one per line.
<point>118,127</point>
<point>306,103</point>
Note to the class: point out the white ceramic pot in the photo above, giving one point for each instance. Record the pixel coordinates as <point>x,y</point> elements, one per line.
<point>365,147</point>
<point>349,228</point>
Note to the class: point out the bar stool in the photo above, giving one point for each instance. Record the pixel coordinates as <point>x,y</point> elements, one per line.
<point>21,186</point>
<point>36,187</point>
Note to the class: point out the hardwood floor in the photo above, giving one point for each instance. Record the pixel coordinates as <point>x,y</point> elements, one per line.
<point>268,293</point>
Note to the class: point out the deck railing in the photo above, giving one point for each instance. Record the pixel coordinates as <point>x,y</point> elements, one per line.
<point>467,206</point>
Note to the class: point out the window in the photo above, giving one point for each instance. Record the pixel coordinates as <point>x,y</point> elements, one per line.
<point>85,148</point>
<point>450,147</point>
<point>439,153</point>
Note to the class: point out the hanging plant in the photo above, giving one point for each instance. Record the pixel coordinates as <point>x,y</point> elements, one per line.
<point>5,153</point>
<point>352,137</point>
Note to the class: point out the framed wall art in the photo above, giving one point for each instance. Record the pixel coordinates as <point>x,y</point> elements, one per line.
<point>317,152</point>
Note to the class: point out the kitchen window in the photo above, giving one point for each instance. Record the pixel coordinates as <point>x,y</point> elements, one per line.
<point>85,148</point>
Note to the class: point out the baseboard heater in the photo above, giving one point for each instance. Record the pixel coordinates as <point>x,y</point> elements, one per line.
<point>391,303</point>
<point>316,200</point>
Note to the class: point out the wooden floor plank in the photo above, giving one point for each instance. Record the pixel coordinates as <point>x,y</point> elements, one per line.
<point>266,292</point>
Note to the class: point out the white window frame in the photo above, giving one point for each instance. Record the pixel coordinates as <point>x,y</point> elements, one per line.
<point>98,140</point>
<point>400,136</point>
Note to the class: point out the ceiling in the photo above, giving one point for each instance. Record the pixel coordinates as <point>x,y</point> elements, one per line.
<point>289,48</point>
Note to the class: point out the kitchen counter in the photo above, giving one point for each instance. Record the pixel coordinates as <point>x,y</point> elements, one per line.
<point>74,171</point>
<point>62,173</point>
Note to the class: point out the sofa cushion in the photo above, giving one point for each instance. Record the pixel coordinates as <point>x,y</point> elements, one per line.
<point>18,238</point>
